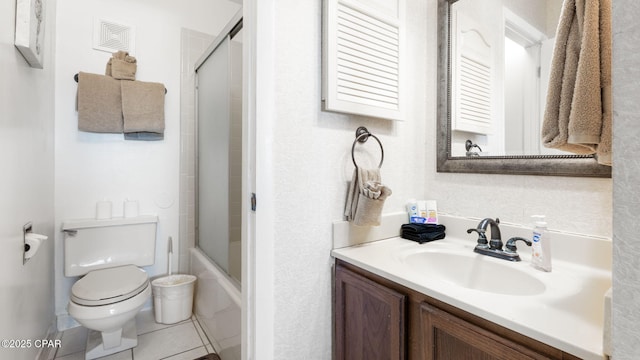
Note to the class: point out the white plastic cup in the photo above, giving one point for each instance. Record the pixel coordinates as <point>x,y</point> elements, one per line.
<point>131,209</point>
<point>104,210</point>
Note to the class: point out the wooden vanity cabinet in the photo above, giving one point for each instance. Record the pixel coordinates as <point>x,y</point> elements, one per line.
<point>446,336</point>
<point>376,318</point>
<point>370,319</point>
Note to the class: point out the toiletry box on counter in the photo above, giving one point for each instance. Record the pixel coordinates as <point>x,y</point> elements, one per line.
<point>397,299</point>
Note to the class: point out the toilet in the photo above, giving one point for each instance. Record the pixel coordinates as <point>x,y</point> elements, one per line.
<point>112,288</point>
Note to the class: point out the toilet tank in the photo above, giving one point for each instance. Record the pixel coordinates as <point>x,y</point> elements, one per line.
<point>91,244</point>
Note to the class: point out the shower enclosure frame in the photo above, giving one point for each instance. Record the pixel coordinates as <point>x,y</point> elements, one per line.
<point>219,299</point>
<point>233,27</point>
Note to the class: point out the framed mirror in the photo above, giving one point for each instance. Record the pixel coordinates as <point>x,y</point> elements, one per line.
<point>493,63</point>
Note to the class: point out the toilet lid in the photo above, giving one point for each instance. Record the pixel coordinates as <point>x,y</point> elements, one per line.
<point>107,286</point>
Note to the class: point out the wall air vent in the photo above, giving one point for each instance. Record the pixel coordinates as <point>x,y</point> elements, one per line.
<point>111,37</point>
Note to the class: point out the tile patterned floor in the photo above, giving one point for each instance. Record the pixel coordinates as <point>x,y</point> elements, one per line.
<point>182,341</point>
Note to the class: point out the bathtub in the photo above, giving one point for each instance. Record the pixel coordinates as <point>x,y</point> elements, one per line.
<point>217,304</point>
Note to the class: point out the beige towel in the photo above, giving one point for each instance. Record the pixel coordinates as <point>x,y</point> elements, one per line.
<point>120,55</point>
<point>370,203</point>
<point>121,66</point>
<point>99,104</point>
<point>578,113</point>
<point>143,107</point>
<point>605,145</point>
<point>360,176</point>
<point>366,197</point>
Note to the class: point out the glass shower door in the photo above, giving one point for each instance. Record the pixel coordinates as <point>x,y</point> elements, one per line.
<point>214,148</point>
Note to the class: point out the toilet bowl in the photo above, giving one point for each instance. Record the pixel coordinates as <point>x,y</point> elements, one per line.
<point>112,289</point>
<point>107,301</point>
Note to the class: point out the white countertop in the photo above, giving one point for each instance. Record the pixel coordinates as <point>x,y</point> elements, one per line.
<point>568,314</point>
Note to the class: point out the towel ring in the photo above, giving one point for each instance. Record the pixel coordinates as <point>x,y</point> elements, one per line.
<point>362,135</point>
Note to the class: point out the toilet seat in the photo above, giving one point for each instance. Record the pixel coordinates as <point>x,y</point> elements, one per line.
<point>108,286</point>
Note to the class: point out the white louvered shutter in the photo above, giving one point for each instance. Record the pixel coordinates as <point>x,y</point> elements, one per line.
<point>362,51</point>
<point>472,77</point>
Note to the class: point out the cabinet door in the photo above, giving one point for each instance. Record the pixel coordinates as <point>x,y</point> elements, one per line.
<point>447,337</point>
<point>369,319</point>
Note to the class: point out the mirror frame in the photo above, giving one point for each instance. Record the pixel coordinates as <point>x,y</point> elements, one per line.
<point>550,165</point>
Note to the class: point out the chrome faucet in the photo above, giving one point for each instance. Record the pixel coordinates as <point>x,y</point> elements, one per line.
<point>494,246</point>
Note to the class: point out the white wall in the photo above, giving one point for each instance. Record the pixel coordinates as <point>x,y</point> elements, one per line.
<point>626,175</point>
<point>26,186</point>
<point>90,167</point>
<point>311,165</point>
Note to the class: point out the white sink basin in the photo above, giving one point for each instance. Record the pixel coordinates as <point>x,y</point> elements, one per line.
<point>474,271</point>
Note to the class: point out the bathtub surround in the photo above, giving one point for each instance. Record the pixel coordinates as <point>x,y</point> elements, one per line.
<point>217,305</point>
<point>26,186</point>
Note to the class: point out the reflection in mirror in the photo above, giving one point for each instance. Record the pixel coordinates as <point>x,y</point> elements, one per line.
<point>494,61</point>
<point>500,56</point>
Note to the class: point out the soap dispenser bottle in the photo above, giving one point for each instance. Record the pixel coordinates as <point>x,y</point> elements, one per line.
<point>541,246</point>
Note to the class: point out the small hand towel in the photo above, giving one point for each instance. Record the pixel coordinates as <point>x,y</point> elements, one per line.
<point>415,228</point>
<point>122,66</point>
<point>360,176</point>
<point>120,55</point>
<point>422,232</point>
<point>370,204</point>
<point>366,197</point>
<point>372,189</point>
<point>578,113</point>
<point>99,104</point>
<point>423,238</point>
<point>143,108</point>
<point>144,136</point>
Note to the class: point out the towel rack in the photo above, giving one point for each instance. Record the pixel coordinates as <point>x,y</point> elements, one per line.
<point>362,135</point>
<point>75,77</point>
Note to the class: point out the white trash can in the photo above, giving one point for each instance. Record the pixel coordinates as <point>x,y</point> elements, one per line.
<point>173,298</point>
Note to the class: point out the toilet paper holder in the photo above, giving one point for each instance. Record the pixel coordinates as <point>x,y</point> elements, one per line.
<point>32,242</point>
